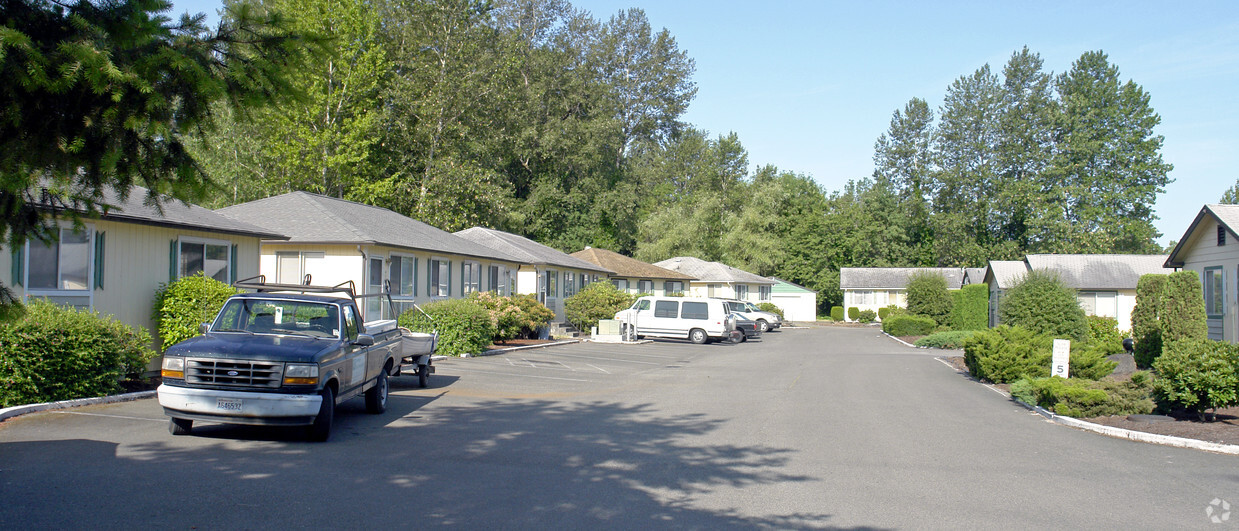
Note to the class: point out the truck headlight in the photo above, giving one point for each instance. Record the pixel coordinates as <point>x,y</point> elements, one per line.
<point>173,367</point>
<point>301,374</point>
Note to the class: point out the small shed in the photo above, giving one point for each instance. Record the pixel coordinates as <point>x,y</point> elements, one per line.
<point>798,302</point>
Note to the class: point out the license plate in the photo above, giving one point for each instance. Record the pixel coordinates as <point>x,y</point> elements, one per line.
<point>228,404</point>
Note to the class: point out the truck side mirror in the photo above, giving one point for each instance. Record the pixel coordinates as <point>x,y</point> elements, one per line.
<point>364,340</point>
<point>204,328</point>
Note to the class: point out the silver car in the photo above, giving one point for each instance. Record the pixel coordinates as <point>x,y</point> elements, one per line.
<point>766,321</point>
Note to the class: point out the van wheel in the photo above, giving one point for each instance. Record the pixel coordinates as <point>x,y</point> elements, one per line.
<point>763,326</point>
<point>180,426</point>
<point>376,397</point>
<point>320,430</point>
<point>698,336</point>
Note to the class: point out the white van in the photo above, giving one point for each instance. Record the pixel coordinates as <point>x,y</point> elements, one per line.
<point>697,319</point>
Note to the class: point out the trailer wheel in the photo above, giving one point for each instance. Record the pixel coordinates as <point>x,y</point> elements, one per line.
<point>423,375</point>
<point>320,430</point>
<point>180,426</point>
<point>698,336</point>
<point>376,397</point>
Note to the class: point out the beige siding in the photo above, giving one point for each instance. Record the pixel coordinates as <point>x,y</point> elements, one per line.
<point>1201,251</point>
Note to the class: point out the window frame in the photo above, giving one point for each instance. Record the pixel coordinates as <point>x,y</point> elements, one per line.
<point>87,292</point>
<point>470,277</point>
<point>1209,274</point>
<point>435,269</point>
<point>194,240</point>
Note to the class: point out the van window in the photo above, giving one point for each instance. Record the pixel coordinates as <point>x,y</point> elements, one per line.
<point>643,304</point>
<point>666,309</point>
<point>696,310</point>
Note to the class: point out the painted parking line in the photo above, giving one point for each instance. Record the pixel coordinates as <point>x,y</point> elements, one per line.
<point>108,416</point>
<point>475,371</point>
<point>621,360</point>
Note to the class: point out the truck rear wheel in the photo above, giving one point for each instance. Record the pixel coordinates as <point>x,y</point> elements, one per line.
<point>423,375</point>
<point>180,426</point>
<point>320,430</point>
<point>376,397</point>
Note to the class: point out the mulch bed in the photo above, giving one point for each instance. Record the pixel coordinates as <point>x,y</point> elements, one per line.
<point>1225,430</point>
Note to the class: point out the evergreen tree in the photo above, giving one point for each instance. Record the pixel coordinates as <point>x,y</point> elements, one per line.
<point>1024,149</point>
<point>1231,195</point>
<point>903,162</point>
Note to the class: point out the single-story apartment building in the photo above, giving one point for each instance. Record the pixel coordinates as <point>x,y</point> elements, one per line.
<point>634,276</point>
<point>116,262</point>
<point>550,274</point>
<point>714,279</point>
<point>1105,284</point>
<point>874,288</point>
<point>334,241</point>
<point>1210,247</point>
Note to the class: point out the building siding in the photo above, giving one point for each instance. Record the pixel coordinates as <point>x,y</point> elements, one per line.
<point>1201,252</point>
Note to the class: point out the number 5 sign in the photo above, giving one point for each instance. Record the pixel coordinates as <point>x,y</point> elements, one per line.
<point>1061,363</point>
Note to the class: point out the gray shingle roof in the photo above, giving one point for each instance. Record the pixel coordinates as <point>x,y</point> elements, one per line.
<point>974,275</point>
<point>711,271</point>
<point>526,250</point>
<point>313,218</point>
<point>624,266</point>
<point>894,277</point>
<point>1227,215</point>
<point>136,209</point>
<point>1099,271</point>
<point>1006,273</point>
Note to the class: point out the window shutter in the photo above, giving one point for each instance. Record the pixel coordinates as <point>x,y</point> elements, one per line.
<point>232,265</point>
<point>19,263</point>
<point>430,268</point>
<point>100,237</point>
<point>449,279</point>
<point>172,261</point>
<point>414,283</point>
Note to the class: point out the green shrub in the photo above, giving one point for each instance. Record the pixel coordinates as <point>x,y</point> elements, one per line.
<point>61,353</point>
<point>511,315</point>
<point>929,296</point>
<point>853,313</point>
<point>885,312</point>
<point>1081,398</point>
<point>1104,330</point>
<point>1008,353</point>
<point>600,300</point>
<point>949,340</point>
<point>970,310</point>
<point>770,307</point>
<point>867,316</point>
<point>464,326</point>
<point>1088,361</point>
<point>1146,328</point>
<point>1041,303</point>
<point>1198,375</point>
<point>909,325</point>
<point>1183,313</point>
<point>836,313</point>
<point>180,307</point>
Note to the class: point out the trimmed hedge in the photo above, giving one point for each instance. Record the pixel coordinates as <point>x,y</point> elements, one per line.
<point>180,307</point>
<point>767,307</point>
<point>971,308</point>
<point>836,313</point>
<point>853,313</point>
<point>1009,353</point>
<point>1104,330</point>
<point>1079,398</point>
<point>1146,328</point>
<point>464,326</point>
<point>929,296</point>
<point>909,325</point>
<point>61,353</point>
<point>867,316</point>
<point>1183,313</point>
<point>1041,303</point>
<point>600,300</point>
<point>1199,375</point>
<point>947,340</point>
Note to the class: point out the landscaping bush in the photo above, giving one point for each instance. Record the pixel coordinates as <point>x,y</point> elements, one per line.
<point>1198,375</point>
<point>1146,328</point>
<point>509,319</point>
<point>1075,397</point>
<point>1008,353</point>
<point>1104,330</point>
<point>1183,315</point>
<point>1041,303</point>
<point>970,310</point>
<point>909,325</point>
<point>180,307</point>
<point>887,312</point>
<point>836,313</point>
<point>600,300</point>
<point>867,316</point>
<point>949,340</point>
<point>464,326</point>
<point>769,307</point>
<point>929,296</point>
<point>853,313</point>
<point>61,353</point>
<point>1088,361</point>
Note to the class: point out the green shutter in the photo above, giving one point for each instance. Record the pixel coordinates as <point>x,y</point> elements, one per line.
<point>414,283</point>
<point>232,265</point>
<point>99,245</point>
<point>172,261</point>
<point>19,263</point>
<point>430,267</point>
<point>449,279</point>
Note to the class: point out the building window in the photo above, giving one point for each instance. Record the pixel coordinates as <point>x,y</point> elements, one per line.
<point>620,283</point>
<point>470,277</point>
<point>711,290</point>
<point>1099,303</point>
<point>211,258</point>
<point>862,298</point>
<point>292,266</point>
<point>1214,301</point>
<point>742,291</point>
<point>498,278</point>
<point>645,286</point>
<point>673,286</point>
<point>60,266</point>
<point>763,293</point>
<point>552,283</point>
<point>569,284</point>
<point>439,277</point>
<point>402,276</point>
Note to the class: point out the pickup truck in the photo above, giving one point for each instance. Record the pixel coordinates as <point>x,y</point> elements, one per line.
<point>282,355</point>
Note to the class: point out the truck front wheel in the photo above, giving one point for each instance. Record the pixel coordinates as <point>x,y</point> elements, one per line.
<point>376,397</point>
<point>180,426</point>
<point>321,429</point>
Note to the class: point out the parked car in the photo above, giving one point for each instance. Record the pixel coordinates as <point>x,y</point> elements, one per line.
<point>766,321</point>
<point>742,329</point>
<point>699,320</point>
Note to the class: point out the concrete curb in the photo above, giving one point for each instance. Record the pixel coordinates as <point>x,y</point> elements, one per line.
<point>900,340</point>
<point>493,352</point>
<point>16,411</point>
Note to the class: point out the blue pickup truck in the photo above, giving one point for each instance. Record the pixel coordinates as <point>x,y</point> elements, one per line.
<point>285,355</point>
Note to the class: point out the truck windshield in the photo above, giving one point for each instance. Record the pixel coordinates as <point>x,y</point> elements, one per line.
<point>281,317</point>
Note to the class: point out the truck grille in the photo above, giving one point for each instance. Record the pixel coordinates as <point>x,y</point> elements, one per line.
<point>237,373</point>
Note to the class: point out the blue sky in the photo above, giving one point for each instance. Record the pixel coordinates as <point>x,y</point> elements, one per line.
<point>808,86</point>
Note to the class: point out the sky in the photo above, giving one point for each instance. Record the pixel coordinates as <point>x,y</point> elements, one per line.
<point>808,86</point>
